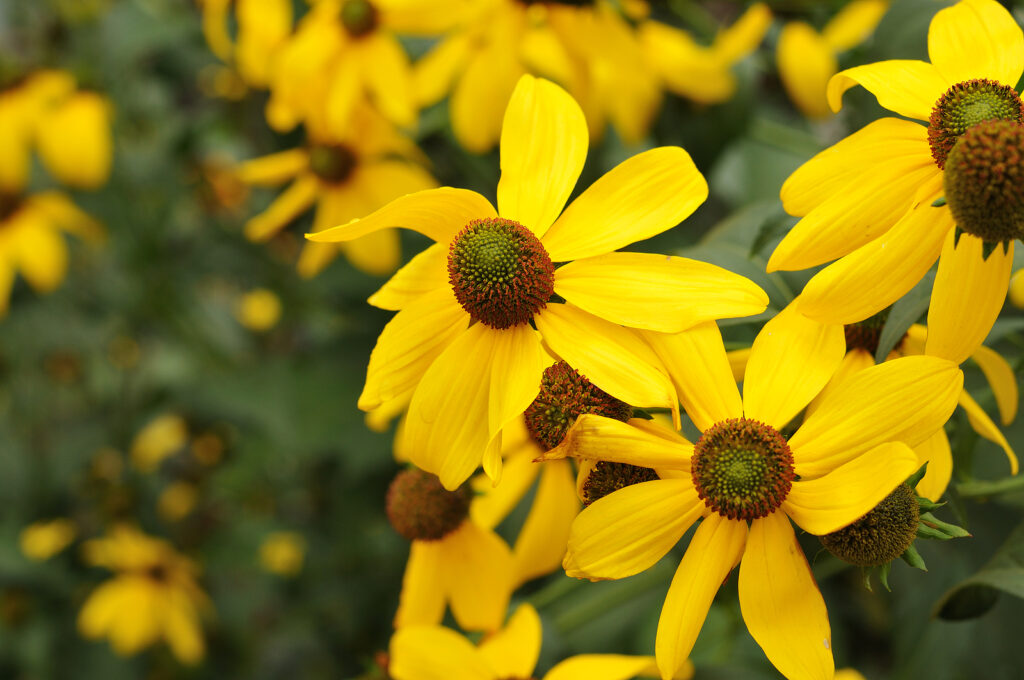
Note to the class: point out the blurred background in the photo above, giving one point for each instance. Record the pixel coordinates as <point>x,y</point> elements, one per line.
<point>184,380</point>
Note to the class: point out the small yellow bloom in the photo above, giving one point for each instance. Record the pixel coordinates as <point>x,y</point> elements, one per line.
<point>1017,289</point>
<point>153,596</point>
<point>264,26</point>
<point>283,553</point>
<point>177,500</point>
<point>161,437</point>
<point>42,540</point>
<point>258,310</point>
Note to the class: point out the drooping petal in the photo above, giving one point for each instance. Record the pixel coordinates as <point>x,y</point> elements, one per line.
<point>936,452</point>
<point>640,197</point>
<point>436,213</point>
<point>477,573</point>
<point>408,345</point>
<point>1001,379</point>
<point>688,69</point>
<point>181,628</point>
<point>61,212</point>
<point>491,504</point>
<point>829,503</point>
<point>100,609</point>
<point>482,93</point>
<point>856,360</point>
<point>435,653</point>
<point>854,23</point>
<point>629,530</point>
<point>512,652</point>
<point>542,541</point>
<point>700,370</point>
<point>805,62</point>
<point>781,603</point>
<point>715,549</point>
<point>387,76</point>
<point>613,358</point>
<point>976,39</point>
<point>424,273</point>
<point>543,146</point>
<point>74,140</point>
<point>273,169</point>
<point>791,360</point>
<point>968,293</point>
<point>38,251</point>
<point>744,35</point>
<point>595,437</point>
<point>657,292</point>
<point>422,601</point>
<point>983,425</point>
<point>877,274</point>
<point>434,74</point>
<point>905,400</point>
<point>738,359</point>
<point>905,86</point>
<point>609,667</point>
<point>292,202</point>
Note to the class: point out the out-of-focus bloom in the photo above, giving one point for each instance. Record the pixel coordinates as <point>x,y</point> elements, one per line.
<point>42,540</point>
<point>258,310</point>
<point>1017,289</point>
<point>347,175</point>
<point>592,51</point>
<point>153,596</point>
<point>75,142</point>
<point>263,27</point>
<point>848,674</point>
<point>703,74</point>
<point>895,196</point>
<point>177,500</point>
<point>161,437</point>
<point>807,59</point>
<point>465,382</point>
<point>208,448</point>
<point>433,652</point>
<point>283,552</point>
<point>838,465</point>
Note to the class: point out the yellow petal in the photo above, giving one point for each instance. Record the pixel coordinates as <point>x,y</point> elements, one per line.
<point>408,345</point>
<point>936,452</point>
<point>688,69</point>
<point>609,667</point>
<point>422,601</point>
<point>377,254</point>
<point>829,503</point>
<point>477,573</point>
<point>436,213</point>
<point>791,360</point>
<point>434,74</point>
<point>482,94</point>
<point>541,543</point>
<point>543,146</point>
<point>781,603</point>
<point>74,140</point>
<point>640,197</point>
<point>745,34</point>
<point>262,27</point>
<point>595,437</point>
<point>613,358</point>
<point>856,360</point>
<point>657,292</point>
<point>275,168</point>
<point>101,609</point>
<point>341,87</point>
<point>976,39</point>
<point>738,359</point>
<point>292,202</point>
<point>491,504</point>
<point>59,210</point>
<point>629,530</point>
<point>806,62</point>
<point>861,212</point>
<point>715,549</point>
<point>984,426</point>
<point>424,273</point>
<point>877,274</point>
<point>967,296</point>
<point>700,370</point>
<point>1001,379</point>
<point>38,251</point>
<point>904,400</point>
<point>512,652</point>
<point>215,27</point>
<point>435,653</point>
<point>181,629</point>
<point>387,75</point>
<point>137,623</point>
<point>905,86</point>
<point>854,23</point>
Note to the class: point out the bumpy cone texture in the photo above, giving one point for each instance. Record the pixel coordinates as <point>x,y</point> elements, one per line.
<point>421,509</point>
<point>606,477</point>
<point>880,536</point>
<point>965,105</point>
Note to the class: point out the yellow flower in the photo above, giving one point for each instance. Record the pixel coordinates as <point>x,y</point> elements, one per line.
<point>282,553</point>
<point>432,652</point>
<point>161,437</point>
<point>347,175</point>
<point>21,107</point>
<point>892,198</point>
<point>462,352</point>
<point>42,540</point>
<point>807,59</point>
<point>177,500</point>
<point>703,74</point>
<point>153,596</point>
<point>747,481</point>
<point>75,142</point>
<point>258,310</point>
<point>263,27</point>
<point>1017,290</point>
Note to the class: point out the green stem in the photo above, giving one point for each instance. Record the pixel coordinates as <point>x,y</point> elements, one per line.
<point>978,489</point>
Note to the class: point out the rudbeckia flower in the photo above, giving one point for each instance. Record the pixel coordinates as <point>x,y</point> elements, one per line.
<point>263,27</point>
<point>892,198</point>
<point>466,346</point>
<point>807,59</point>
<point>436,653</point>
<point>747,481</point>
<point>154,596</point>
<point>348,175</point>
<point>42,540</point>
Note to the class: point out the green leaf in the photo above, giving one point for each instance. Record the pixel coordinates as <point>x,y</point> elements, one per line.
<point>976,594</point>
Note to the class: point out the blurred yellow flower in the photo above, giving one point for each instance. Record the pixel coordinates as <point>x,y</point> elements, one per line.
<point>1016,292</point>
<point>177,500</point>
<point>161,437</point>
<point>258,310</point>
<point>153,596</point>
<point>263,26</point>
<point>348,175</point>
<point>807,59</point>
<point>42,540</point>
<point>75,142</point>
<point>283,552</point>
